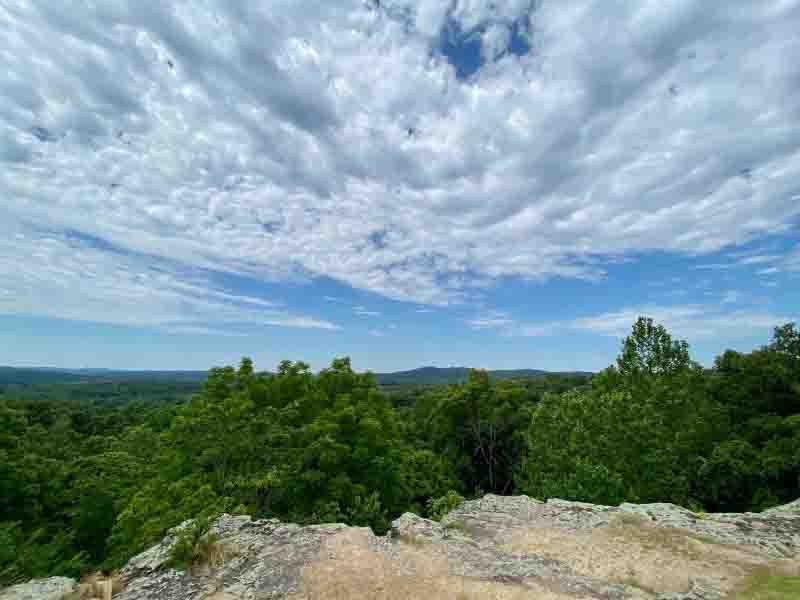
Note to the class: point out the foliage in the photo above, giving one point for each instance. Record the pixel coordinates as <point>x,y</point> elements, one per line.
<point>195,546</point>
<point>651,351</point>
<point>439,507</point>
<point>658,428</point>
<point>87,481</point>
<point>478,427</point>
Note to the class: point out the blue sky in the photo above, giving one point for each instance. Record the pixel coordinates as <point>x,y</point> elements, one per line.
<point>406,182</point>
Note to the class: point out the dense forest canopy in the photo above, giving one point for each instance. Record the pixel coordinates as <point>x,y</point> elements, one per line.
<point>86,483</point>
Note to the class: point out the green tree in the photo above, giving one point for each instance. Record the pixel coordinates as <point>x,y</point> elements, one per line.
<point>786,341</point>
<point>638,434</point>
<point>478,426</point>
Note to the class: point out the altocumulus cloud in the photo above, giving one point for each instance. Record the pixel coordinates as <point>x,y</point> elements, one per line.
<point>289,140</point>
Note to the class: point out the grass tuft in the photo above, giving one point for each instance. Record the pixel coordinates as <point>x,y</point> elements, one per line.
<point>767,585</point>
<point>458,526</point>
<point>196,547</point>
<point>96,586</point>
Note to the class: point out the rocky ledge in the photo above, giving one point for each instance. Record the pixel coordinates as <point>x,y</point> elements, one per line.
<point>497,547</point>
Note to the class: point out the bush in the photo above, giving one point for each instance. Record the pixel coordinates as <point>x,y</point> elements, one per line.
<point>196,546</point>
<point>587,483</point>
<point>439,507</point>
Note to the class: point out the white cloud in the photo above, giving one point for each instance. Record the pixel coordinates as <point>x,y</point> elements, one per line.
<point>714,266</point>
<point>290,140</point>
<point>759,259</point>
<point>491,320</point>
<point>495,41</point>
<point>779,262</point>
<point>200,330</point>
<point>618,323</point>
<point>692,322</point>
<point>362,311</point>
<point>70,277</point>
<point>301,323</point>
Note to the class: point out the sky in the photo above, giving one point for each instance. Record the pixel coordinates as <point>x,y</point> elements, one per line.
<point>405,182</point>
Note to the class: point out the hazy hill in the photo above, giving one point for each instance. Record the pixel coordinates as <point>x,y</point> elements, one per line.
<point>48,375</point>
<point>421,376</point>
<point>448,375</point>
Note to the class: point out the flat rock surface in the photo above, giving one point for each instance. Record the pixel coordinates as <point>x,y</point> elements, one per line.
<point>495,547</point>
<point>53,588</point>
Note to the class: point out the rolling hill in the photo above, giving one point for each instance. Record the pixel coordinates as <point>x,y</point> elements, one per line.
<point>13,376</point>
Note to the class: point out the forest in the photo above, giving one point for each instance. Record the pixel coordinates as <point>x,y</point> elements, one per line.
<point>87,483</point>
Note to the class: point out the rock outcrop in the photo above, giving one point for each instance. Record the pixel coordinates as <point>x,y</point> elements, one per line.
<point>53,588</point>
<point>496,547</point>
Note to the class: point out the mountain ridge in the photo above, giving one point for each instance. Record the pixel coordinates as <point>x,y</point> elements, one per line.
<point>425,375</point>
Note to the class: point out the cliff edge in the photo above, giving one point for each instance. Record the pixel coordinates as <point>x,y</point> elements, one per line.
<point>497,547</point>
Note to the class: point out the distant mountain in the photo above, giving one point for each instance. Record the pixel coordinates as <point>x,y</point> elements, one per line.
<point>449,375</point>
<point>49,375</point>
<point>14,376</point>
<point>126,375</point>
<point>420,376</point>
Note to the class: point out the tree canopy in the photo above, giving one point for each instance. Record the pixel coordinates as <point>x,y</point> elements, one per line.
<point>87,483</point>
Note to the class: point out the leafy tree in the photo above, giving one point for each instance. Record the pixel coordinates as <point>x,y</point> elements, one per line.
<point>759,462</point>
<point>651,351</point>
<point>88,481</point>
<point>786,341</point>
<point>636,435</point>
<point>478,425</point>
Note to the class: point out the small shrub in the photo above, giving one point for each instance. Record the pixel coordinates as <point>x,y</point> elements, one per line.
<point>195,546</point>
<point>460,527</point>
<point>439,507</point>
<point>695,506</point>
<point>368,511</point>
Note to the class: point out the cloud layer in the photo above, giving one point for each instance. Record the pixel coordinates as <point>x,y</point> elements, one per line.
<point>690,321</point>
<point>290,140</point>
<point>70,277</point>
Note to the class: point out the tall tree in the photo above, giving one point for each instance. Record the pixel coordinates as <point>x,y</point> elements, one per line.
<point>650,351</point>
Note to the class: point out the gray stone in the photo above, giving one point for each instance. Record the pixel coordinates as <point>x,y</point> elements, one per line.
<point>411,526</point>
<point>154,558</point>
<point>504,547</point>
<point>791,508</point>
<point>53,588</point>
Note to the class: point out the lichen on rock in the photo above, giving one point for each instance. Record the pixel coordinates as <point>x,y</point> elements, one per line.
<point>493,547</point>
<point>52,588</point>
<point>497,547</point>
